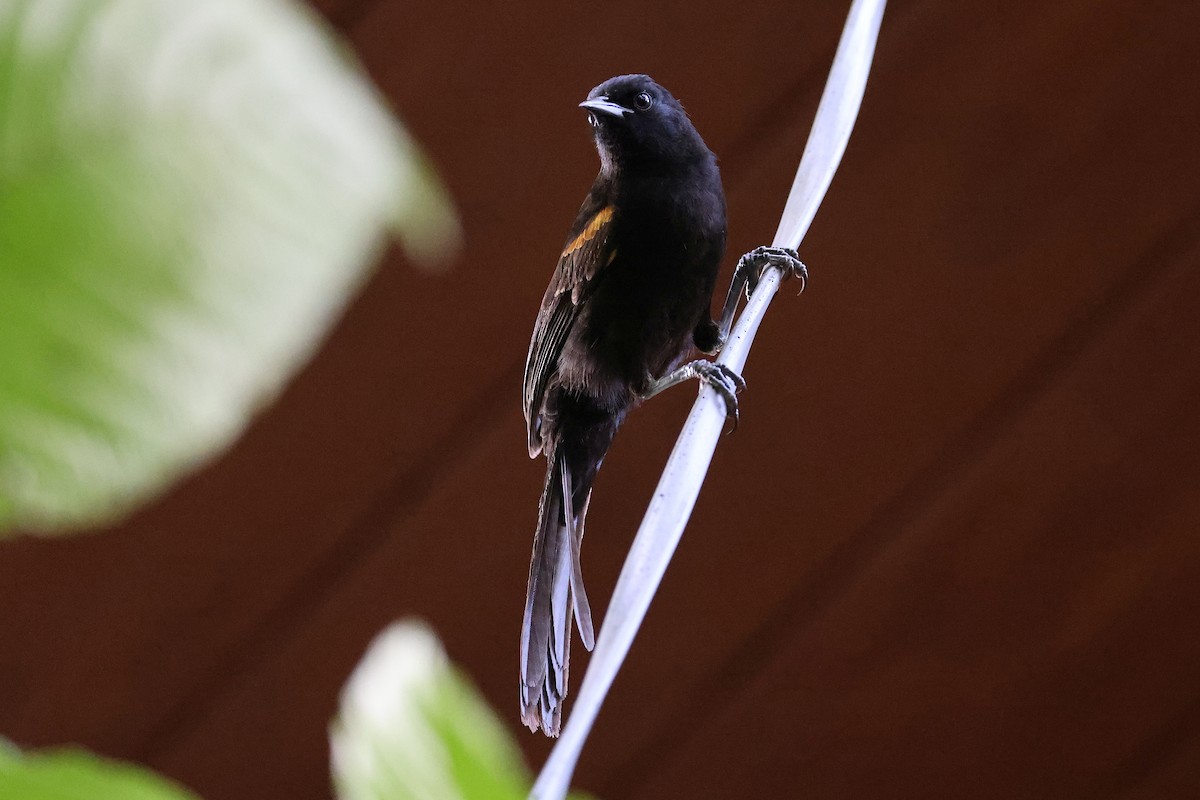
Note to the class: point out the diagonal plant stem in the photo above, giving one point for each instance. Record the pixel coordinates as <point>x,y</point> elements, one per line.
<point>687,466</point>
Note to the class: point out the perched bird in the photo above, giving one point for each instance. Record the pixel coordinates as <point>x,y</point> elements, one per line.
<point>628,301</point>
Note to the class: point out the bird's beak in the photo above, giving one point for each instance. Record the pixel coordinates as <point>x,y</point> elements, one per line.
<point>604,106</point>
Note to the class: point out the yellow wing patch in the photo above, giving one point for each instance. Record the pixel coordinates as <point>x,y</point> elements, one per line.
<point>602,218</point>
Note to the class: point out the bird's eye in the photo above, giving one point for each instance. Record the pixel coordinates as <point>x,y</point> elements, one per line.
<point>643,101</point>
<point>592,119</point>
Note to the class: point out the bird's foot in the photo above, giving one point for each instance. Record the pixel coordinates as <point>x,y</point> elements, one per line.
<point>751,266</point>
<point>724,382</point>
<point>721,378</point>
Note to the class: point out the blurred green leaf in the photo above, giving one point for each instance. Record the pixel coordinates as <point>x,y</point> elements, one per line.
<point>70,774</point>
<point>411,726</point>
<point>189,193</point>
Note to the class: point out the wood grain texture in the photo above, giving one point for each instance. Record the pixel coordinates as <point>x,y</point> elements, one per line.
<point>951,550</point>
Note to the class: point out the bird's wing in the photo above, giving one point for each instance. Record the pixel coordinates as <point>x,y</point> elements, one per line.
<point>588,250</point>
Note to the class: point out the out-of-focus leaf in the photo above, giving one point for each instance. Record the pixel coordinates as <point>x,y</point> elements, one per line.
<point>189,193</point>
<point>70,774</point>
<point>411,726</point>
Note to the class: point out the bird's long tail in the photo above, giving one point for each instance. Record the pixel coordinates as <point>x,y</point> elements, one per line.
<point>556,592</point>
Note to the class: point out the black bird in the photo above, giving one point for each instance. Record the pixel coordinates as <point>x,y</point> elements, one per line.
<point>627,303</point>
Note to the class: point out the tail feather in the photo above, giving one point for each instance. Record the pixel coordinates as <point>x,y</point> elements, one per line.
<point>574,536</point>
<point>555,595</point>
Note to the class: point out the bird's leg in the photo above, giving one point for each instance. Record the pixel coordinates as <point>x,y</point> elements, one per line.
<point>725,381</point>
<point>746,275</point>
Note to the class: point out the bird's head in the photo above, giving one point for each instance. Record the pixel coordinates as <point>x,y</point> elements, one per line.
<point>638,123</point>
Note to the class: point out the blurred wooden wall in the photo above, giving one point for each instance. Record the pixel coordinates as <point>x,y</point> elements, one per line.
<point>952,551</point>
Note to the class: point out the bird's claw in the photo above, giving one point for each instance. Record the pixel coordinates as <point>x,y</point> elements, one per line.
<point>751,266</point>
<point>724,382</point>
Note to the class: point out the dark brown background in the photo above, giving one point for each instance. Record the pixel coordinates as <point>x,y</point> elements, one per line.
<point>953,549</point>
